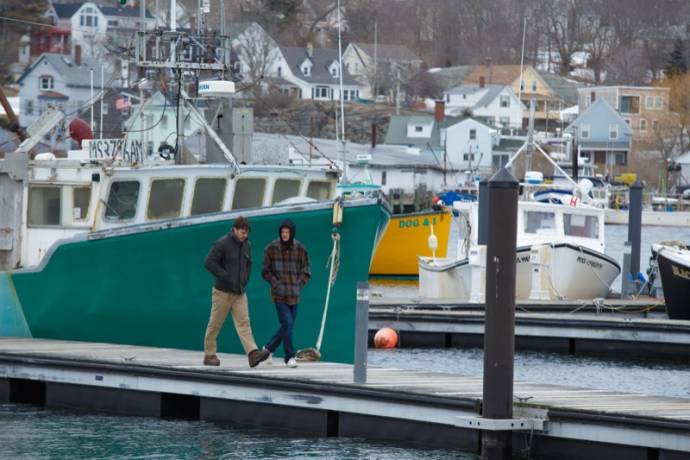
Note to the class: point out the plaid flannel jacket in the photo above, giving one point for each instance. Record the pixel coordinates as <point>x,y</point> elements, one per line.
<point>286,268</point>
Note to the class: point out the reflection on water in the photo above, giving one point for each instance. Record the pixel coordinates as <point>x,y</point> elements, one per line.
<point>649,377</point>
<point>33,433</point>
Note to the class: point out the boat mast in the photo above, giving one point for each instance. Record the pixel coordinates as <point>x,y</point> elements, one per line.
<point>342,103</point>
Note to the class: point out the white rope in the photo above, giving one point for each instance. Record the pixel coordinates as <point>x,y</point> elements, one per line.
<point>333,260</point>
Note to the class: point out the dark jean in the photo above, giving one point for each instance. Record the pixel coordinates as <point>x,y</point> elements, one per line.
<point>287,315</point>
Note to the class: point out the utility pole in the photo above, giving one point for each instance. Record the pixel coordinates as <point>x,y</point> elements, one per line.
<point>397,94</point>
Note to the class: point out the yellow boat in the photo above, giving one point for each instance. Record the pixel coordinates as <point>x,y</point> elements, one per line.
<point>406,238</point>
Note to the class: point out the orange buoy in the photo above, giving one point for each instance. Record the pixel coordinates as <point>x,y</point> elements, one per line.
<point>386,338</point>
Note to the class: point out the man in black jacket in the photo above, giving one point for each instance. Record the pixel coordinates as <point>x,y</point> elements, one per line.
<point>230,262</point>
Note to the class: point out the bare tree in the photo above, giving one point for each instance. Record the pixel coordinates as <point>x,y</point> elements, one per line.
<point>563,24</point>
<point>257,53</point>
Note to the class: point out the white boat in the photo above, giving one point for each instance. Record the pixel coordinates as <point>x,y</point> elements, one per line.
<point>560,255</point>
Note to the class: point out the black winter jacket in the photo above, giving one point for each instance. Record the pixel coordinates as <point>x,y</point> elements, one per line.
<point>230,262</point>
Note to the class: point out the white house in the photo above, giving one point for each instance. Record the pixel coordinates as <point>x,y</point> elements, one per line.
<point>359,60</point>
<point>313,73</point>
<point>498,104</point>
<point>58,80</point>
<point>157,125</point>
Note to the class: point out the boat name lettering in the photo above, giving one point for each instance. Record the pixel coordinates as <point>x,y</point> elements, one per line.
<point>681,272</point>
<point>522,259</point>
<point>404,223</point>
<point>591,263</point>
<point>129,150</point>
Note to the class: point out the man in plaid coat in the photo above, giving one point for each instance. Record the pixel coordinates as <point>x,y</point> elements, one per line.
<point>286,268</point>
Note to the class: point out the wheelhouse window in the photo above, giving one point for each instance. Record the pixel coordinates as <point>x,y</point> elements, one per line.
<point>319,190</point>
<point>285,188</point>
<point>582,226</point>
<point>208,195</point>
<point>122,201</point>
<point>44,205</point>
<point>81,197</point>
<point>165,199</point>
<point>539,222</point>
<point>249,193</point>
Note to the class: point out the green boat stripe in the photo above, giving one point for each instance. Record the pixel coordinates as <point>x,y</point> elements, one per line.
<point>12,321</point>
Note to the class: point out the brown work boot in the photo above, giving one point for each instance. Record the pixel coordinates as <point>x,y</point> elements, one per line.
<point>211,360</point>
<point>256,356</point>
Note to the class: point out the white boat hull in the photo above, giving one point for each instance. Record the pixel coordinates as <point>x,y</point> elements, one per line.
<point>575,273</point>
<point>656,218</point>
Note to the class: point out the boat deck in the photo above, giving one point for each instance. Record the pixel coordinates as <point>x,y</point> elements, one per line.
<point>322,398</point>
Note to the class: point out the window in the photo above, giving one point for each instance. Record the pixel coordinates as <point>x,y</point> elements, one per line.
<point>334,71</point>
<point>534,85</point>
<point>505,121</point>
<point>105,109</point>
<point>582,226</point>
<point>655,125</point>
<point>417,129</point>
<point>81,196</point>
<point>280,71</point>
<point>613,131</point>
<point>44,205</point>
<point>584,132</point>
<point>468,156</point>
<point>305,70</point>
<point>122,201</point>
<point>658,102</point>
<point>621,158</point>
<point>208,195</point>
<point>473,134</point>
<point>112,23</point>
<point>505,101</point>
<point>249,193</point>
<point>165,199</point>
<point>643,125</point>
<point>88,18</point>
<point>29,107</point>
<point>383,177</point>
<point>46,82</point>
<point>654,102</point>
<point>321,92</point>
<point>630,104</point>
<point>539,222</point>
<point>284,189</point>
<point>498,161</point>
<point>319,190</point>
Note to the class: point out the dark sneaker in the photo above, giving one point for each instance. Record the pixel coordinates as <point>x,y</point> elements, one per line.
<point>256,356</point>
<point>211,360</point>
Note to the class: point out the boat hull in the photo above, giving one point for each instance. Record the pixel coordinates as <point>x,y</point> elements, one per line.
<point>675,280</point>
<point>652,218</point>
<point>574,273</point>
<point>406,239</point>
<point>146,285</point>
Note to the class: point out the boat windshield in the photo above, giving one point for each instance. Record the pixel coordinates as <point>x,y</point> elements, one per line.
<point>540,222</point>
<point>581,226</point>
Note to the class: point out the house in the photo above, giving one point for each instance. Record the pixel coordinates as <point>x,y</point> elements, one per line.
<point>91,26</point>
<point>528,84</point>
<point>602,135</point>
<point>497,104</point>
<point>450,77</point>
<point>390,61</point>
<point>642,107</point>
<point>61,81</point>
<point>313,73</point>
<point>156,125</point>
<point>116,108</point>
<point>460,142</point>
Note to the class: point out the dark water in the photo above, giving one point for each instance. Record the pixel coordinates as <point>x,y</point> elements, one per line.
<point>28,432</point>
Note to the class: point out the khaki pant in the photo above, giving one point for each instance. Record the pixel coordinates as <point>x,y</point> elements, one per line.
<point>224,303</point>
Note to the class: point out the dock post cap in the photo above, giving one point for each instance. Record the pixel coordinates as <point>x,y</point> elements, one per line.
<point>637,184</point>
<point>503,179</point>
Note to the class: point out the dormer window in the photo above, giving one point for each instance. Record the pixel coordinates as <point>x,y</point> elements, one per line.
<point>46,82</point>
<point>88,17</point>
<point>334,71</point>
<point>305,70</point>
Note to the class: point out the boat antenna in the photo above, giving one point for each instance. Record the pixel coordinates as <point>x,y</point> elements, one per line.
<point>522,57</point>
<point>342,103</point>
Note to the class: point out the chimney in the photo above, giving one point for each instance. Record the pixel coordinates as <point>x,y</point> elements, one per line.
<point>439,112</point>
<point>77,55</point>
<point>310,50</point>
<point>482,81</point>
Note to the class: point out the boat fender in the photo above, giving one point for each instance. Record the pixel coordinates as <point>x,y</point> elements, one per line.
<point>338,212</point>
<point>619,201</point>
<point>386,338</point>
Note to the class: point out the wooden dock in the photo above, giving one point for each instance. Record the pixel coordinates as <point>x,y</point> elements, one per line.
<point>429,408</point>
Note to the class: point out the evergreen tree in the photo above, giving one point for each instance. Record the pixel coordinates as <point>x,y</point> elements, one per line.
<point>676,64</point>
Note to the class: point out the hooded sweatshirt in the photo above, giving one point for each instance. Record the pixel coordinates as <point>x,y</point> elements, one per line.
<point>286,266</point>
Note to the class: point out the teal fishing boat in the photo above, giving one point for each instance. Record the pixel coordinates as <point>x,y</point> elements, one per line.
<point>146,285</point>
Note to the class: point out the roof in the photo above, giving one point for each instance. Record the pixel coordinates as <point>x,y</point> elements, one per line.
<point>450,77</point>
<point>75,76</point>
<point>321,59</point>
<point>382,155</point>
<point>389,52</point>
<point>601,108</point>
<point>562,87</point>
<point>495,74</point>
<point>509,144</point>
<point>397,130</point>
<point>67,10</point>
<point>490,92</point>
